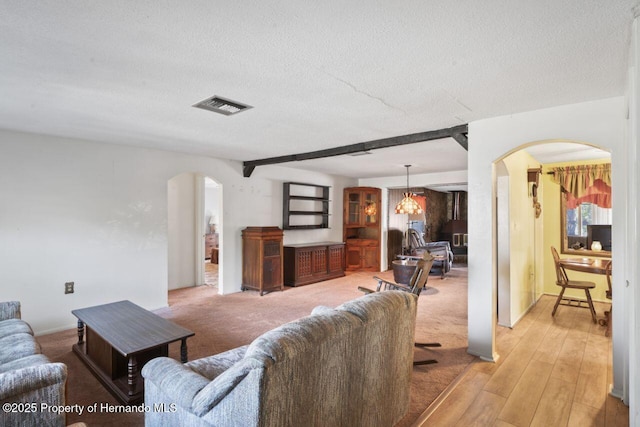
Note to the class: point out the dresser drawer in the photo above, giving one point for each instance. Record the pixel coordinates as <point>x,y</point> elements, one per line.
<point>210,242</point>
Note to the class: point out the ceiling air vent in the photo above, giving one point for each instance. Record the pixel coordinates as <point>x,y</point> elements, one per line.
<point>221,105</point>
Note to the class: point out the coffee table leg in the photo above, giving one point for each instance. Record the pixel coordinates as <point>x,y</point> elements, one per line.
<point>80,332</point>
<point>132,375</point>
<point>183,351</point>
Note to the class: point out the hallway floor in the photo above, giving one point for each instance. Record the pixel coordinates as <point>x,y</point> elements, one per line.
<point>552,371</point>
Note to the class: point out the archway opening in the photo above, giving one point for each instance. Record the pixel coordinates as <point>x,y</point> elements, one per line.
<point>212,226</point>
<point>194,231</point>
<point>528,222</point>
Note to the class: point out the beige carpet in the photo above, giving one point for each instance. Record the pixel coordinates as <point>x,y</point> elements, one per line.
<point>224,322</point>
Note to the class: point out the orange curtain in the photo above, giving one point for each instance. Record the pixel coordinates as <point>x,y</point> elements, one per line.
<point>585,184</point>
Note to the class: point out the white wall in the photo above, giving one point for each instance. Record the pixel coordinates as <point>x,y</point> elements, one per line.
<point>599,122</point>
<point>631,301</point>
<point>503,246</point>
<point>181,230</point>
<point>211,208</point>
<point>522,239</point>
<point>97,214</point>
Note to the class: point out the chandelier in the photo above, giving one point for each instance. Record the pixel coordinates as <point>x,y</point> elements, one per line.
<point>408,204</point>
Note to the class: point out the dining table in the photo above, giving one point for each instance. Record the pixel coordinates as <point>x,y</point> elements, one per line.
<point>586,264</point>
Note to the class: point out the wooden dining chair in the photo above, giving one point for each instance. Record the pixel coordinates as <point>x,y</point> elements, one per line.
<point>563,281</point>
<point>416,284</point>
<point>607,314</point>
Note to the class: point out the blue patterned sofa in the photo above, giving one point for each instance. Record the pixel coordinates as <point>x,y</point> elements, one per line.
<point>348,366</point>
<point>26,376</point>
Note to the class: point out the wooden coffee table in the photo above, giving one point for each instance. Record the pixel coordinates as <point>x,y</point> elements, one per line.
<point>120,338</point>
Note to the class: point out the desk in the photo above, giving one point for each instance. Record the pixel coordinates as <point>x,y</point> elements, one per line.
<point>586,265</point>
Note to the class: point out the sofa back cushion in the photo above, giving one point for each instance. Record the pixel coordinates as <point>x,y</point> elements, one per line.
<point>10,310</point>
<point>308,369</point>
<point>341,367</point>
<point>388,360</point>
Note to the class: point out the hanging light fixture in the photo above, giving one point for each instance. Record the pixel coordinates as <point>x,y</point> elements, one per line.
<point>408,205</point>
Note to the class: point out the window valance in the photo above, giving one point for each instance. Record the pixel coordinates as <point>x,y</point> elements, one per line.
<point>585,184</point>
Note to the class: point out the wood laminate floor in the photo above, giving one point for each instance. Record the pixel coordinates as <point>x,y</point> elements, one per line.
<point>552,371</point>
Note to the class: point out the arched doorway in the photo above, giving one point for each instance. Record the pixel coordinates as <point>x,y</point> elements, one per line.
<point>194,230</point>
<point>524,267</point>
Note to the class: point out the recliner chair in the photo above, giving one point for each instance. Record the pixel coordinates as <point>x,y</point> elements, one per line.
<point>417,247</point>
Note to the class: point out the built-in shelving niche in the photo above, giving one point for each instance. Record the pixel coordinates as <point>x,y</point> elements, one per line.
<point>305,206</point>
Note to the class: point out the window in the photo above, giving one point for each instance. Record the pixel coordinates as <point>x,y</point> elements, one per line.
<point>583,225</point>
<point>585,203</point>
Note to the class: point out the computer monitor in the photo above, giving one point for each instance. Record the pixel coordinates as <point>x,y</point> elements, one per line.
<point>600,233</point>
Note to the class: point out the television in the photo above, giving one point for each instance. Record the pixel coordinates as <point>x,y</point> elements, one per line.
<point>600,233</point>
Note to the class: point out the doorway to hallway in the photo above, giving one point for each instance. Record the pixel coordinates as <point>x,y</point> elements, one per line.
<point>212,237</point>
<point>194,231</point>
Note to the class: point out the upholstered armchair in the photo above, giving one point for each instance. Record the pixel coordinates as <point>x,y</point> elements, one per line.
<point>441,250</point>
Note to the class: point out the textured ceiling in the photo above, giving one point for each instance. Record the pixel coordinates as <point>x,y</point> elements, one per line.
<point>318,74</point>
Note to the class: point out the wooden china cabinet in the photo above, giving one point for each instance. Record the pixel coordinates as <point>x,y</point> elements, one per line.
<point>361,228</point>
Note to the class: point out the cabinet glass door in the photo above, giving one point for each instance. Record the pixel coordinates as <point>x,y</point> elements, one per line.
<point>353,208</point>
<point>371,206</point>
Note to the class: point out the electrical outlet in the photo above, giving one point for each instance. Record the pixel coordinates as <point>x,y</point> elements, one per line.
<point>68,288</point>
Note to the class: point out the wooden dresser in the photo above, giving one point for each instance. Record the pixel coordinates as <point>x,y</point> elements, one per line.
<point>313,262</point>
<point>262,259</point>
<point>211,242</point>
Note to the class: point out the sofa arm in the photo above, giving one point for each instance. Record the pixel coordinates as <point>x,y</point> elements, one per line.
<point>42,385</point>
<point>32,378</point>
<point>225,383</point>
<point>178,382</point>
<point>9,310</point>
